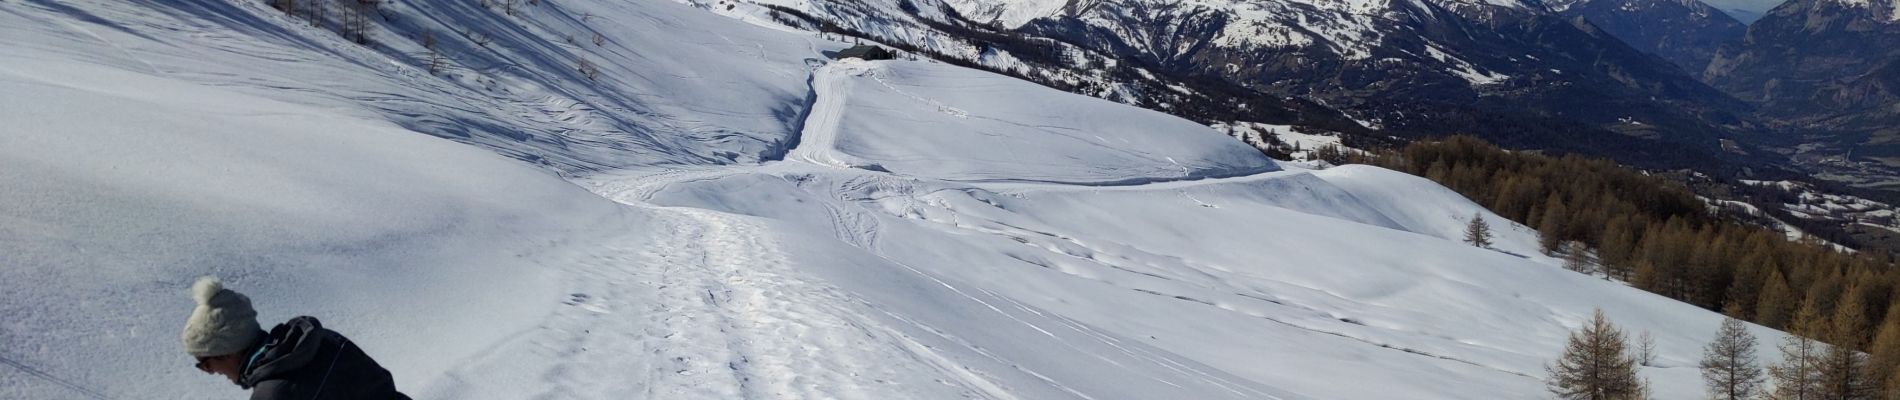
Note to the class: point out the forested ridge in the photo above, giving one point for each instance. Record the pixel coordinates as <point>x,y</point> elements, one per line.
<point>1658,236</point>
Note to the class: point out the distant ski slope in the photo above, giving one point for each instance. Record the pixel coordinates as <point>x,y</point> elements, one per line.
<point>741,219</point>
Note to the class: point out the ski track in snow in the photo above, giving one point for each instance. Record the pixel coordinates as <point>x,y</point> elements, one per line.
<point>817,140</point>
<point>705,305</point>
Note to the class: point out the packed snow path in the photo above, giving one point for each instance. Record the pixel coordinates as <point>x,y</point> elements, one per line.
<point>818,133</point>
<point>701,305</point>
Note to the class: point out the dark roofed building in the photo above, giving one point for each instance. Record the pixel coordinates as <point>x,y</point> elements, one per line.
<point>866,52</point>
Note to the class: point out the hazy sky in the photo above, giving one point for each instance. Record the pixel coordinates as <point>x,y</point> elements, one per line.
<point>1750,5</point>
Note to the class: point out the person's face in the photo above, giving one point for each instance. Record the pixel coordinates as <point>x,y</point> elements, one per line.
<point>226,365</point>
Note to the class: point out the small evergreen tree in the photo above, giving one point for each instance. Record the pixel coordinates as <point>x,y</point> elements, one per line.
<point>1478,232</point>
<point>1595,365</point>
<point>1729,369</point>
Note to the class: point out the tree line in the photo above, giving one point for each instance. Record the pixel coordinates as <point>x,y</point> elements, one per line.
<point>1598,364</point>
<point>1658,236</point>
<point>352,17</point>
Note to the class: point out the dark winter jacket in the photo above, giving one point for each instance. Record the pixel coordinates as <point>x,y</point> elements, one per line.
<point>299,360</point>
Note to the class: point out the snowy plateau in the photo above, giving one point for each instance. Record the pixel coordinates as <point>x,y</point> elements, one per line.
<point>723,212</point>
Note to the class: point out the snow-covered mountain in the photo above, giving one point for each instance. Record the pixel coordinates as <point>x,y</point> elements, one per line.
<point>1420,65</point>
<point>720,212</point>
<point>1817,61</point>
<point>1516,72</point>
<point>1687,32</point>
<point>1827,70</point>
<point>1798,58</point>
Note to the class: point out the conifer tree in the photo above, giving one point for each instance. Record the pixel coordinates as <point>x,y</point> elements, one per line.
<point>1650,277</point>
<point>1577,259</point>
<point>1617,247</point>
<point>1734,310</point>
<point>1478,232</point>
<point>1798,375</point>
<point>1893,385</point>
<point>1843,368</point>
<point>1438,172</point>
<point>1884,362</point>
<point>1745,289</point>
<point>1657,235</point>
<point>1550,230</point>
<point>1595,365</point>
<point>1825,295</point>
<point>1729,368</point>
<point>1775,307</point>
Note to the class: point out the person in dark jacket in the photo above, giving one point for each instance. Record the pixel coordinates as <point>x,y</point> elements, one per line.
<point>298,359</point>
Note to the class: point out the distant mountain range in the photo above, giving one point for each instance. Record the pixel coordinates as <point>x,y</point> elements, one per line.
<point>1512,71</point>
<point>1515,72</point>
<point>1827,73</point>
<point>1654,83</point>
<point>1686,32</point>
<point>1829,62</point>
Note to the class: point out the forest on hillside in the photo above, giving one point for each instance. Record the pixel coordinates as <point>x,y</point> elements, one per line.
<point>1658,236</point>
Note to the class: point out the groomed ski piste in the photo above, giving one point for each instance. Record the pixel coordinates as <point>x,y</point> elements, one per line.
<point>725,213</point>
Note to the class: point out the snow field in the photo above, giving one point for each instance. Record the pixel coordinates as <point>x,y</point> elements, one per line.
<point>124,187</point>
<point>925,231</point>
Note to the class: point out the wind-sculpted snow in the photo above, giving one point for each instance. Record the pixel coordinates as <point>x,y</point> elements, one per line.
<point>785,228</point>
<point>938,121</point>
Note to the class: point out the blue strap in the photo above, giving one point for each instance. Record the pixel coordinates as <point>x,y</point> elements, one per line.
<point>254,355</point>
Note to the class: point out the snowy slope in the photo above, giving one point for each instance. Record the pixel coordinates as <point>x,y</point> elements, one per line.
<point>1296,279</point>
<point>987,239</point>
<point>123,187</point>
<point>519,94</point>
<point>868,113</point>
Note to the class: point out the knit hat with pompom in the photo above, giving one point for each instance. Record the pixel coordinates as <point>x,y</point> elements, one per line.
<point>223,323</point>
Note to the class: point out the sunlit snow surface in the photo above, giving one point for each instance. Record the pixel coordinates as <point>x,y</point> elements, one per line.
<point>740,218</point>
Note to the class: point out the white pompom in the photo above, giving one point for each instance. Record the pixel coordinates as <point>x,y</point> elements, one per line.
<point>205,288</point>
